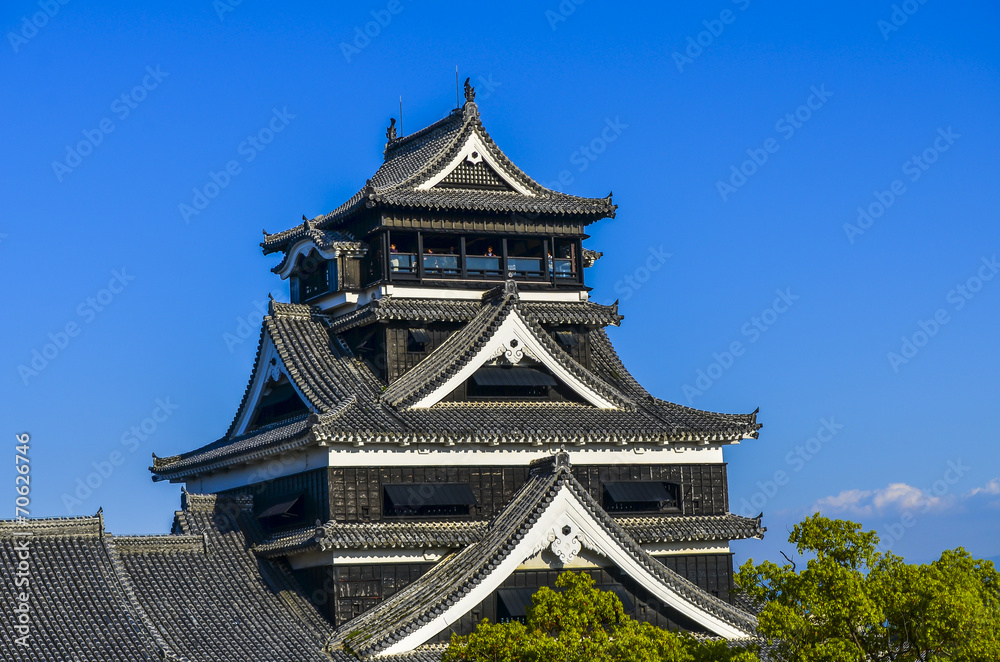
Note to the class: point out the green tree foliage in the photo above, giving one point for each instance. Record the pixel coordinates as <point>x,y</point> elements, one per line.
<point>851,603</point>
<point>579,623</point>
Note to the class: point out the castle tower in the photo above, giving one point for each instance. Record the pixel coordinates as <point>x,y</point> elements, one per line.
<point>437,424</point>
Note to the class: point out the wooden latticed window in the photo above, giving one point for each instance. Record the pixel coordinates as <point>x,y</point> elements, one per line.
<point>642,496</point>
<point>314,276</point>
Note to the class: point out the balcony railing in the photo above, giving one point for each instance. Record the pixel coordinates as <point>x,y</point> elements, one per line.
<point>525,267</point>
<point>482,266</point>
<point>562,267</point>
<point>449,265</point>
<point>403,263</point>
<point>442,264</point>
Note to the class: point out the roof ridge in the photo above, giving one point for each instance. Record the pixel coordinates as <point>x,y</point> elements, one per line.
<point>422,155</point>
<point>459,348</point>
<point>86,525</point>
<point>580,371</point>
<point>170,542</point>
<point>715,605</point>
<point>203,502</point>
<point>404,141</point>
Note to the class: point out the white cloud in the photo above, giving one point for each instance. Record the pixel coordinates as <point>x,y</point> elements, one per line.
<point>991,488</point>
<point>900,498</point>
<point>853,501</point>
<point>905,498</point>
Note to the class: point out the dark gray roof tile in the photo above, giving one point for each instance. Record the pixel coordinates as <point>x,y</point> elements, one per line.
<point>392,308</point>
<point>414,159</point>
<point>198,596</point>
<point>351,405</point>
<point>461,347</point>
<point>421,535</point>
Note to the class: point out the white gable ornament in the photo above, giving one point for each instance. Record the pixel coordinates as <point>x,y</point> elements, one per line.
<point>513,340</point>
<point>474,151</point>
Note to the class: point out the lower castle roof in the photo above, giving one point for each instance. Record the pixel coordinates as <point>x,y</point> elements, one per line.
<point>424,607</point>
<point>645,529</point>
<point>351,405</point>
<point>215,589</point>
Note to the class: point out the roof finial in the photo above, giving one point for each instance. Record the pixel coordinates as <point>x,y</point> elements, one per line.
<point>390,133</point>
<point>470,92</point>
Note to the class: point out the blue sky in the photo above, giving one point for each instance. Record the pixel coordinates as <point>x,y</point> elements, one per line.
<point>769,289</point>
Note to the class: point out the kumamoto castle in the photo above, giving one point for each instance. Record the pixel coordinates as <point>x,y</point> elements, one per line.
<point>434,427</point>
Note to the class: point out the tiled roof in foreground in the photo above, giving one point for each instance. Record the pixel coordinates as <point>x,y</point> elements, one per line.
<point>199,596</point>
<point>421,535</point>
<point>412,615</point>
<point>352,406</point>
<point>79,608</point>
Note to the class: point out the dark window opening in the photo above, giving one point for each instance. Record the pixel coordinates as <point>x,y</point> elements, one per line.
<point>483,256</point>
<point>642,497</point>
<point>510,382</point>
<point>513,603</point>
<point>489,257</point>
<point>428,500</point>
<point>312,273</point>
<point>567,339</point>
<point>367,344</point>
<point>287,511</point>
<point>417,340</point>
<point>279,401</point>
